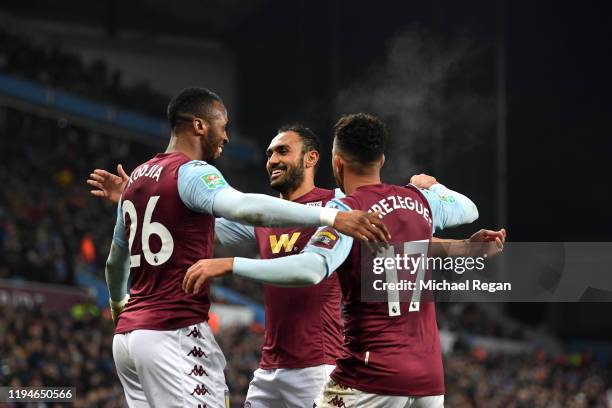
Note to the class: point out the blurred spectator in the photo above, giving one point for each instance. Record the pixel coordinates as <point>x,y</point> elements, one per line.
<point>47,64</point>
<point>41,348</point>
<point>50,227</point>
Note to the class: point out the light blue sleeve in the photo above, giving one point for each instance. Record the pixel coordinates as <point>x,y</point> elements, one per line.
<point>325,252</point>
<point>449,208</point>
<point>333,246</point>
<point>117,272</point>
<point>229,233</point>
<point>202,188</point>
<point>198,184</point>
<point>117,269</point>
<point>119,232</point>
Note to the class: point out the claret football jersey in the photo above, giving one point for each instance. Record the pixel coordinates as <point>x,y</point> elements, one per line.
<point>165,238</point>
<point>388,353</point>
<point>303,325</point>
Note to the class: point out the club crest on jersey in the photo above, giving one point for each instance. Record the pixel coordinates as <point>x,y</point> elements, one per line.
<point>213,180</point>
<point>284,242</point>
<point>325,238</point>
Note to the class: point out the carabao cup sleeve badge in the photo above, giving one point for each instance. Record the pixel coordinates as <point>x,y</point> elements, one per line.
<point>213,180</point>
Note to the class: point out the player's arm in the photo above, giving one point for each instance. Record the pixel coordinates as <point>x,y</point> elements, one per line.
<point>202,188</point>
<point>110,186</point>
<point>117,270</point>
<point>325,252</point>
<point>229,233</point>
<point>449,208</point>
<point>482,243</point>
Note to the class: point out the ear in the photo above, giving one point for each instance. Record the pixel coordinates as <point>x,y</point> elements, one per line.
<point>200,126</point>
<point>311,159</point>
<point>336,161</point>
<point>382,161</point>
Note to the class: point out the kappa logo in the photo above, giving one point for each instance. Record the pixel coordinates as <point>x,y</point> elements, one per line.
<point>284,242</point>
<point>337,402</point>
<point>195,332</point>
<point>200,390</point>
<point>198,371</point>
<point>197,352</point>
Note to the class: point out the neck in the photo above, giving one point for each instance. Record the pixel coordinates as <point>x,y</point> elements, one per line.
<point>353,181</point>
<point>304,188</point>
<point>185,144</point>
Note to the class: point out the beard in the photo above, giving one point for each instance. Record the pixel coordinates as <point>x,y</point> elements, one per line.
<point>209,150</point>
<point>291,180</point>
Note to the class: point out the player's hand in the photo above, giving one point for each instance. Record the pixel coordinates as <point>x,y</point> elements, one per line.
<point>108,185</point>
<point>423,181</point>
<point>362,225</point>
<point>487,242</point>
<point>117,307</point>
<point>205,269</point>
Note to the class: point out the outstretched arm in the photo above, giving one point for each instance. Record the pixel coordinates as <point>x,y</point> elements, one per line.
<point>449,208</point>
<point>325,252</point>
<point>202,188</point>
<point>482,243</point>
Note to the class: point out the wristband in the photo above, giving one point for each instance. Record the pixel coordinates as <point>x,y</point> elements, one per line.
<point>328,216</point>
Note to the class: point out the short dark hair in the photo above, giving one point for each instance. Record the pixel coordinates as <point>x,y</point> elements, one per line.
<point>309,139</point>
<point>362,136</point>
<point>191,101</point>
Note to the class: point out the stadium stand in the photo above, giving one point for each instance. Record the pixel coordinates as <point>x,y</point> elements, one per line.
<point>49,65</point>
<point>38,347</point>
<point>52,231</point>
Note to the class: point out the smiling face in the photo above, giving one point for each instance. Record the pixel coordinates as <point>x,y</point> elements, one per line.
<point>216,136</point>
<point>285,163</point>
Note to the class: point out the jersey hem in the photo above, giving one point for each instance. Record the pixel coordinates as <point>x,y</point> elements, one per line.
<point>177,326</point>
<point>296,366</point>
<point>384,391</point>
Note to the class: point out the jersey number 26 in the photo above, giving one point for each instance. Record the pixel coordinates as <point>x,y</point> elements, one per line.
<point>148,228</point>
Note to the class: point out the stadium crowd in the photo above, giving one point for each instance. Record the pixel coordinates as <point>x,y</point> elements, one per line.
<point>38,347</point>
<point>48,64</point>
<point>50,228</point>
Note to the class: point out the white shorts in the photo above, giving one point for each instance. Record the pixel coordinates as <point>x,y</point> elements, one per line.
<point>286,388</point>
<point>174,368</point>
<point>335,395</point>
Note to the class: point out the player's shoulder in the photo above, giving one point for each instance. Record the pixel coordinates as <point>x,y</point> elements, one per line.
<point>197,168</point>
<point>196,172</point>
<point>323,194</point>
<point>345,203</point>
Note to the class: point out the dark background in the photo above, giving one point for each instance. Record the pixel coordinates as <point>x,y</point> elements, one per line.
<point>515,112</point>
